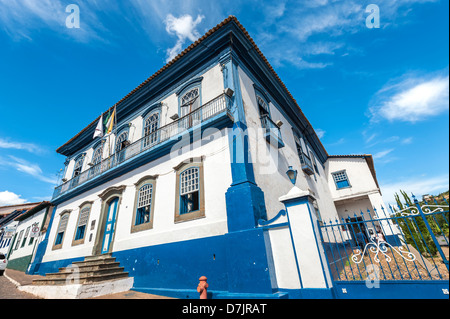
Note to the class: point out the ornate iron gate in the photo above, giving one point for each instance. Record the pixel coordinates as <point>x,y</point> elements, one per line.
<point>404,253</point>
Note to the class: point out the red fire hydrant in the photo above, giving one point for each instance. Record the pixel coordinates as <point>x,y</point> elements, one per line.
<point>202,287</point>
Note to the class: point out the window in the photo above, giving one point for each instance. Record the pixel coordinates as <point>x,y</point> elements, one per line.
<point>144,204</point>
<point>27,232</point>
<point>190,101</point>
<point>305,161</point>
<point>121,144</point>
<point>83,219</point>
<point>96,160</point>
<point>151,126</point>
<point>341,179</point>
<point>18,240</point>
<point>77,170</point>
<point>262,106</point>
<point>190,191</point>
<point>313,159</point>
<point>61,230</point>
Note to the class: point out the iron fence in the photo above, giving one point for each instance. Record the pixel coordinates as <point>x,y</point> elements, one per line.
<point>403,244</point>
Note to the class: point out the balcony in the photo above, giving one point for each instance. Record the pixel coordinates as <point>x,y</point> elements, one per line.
<point>307,165</point>
<point>272,132</point>
<point>213,109</point>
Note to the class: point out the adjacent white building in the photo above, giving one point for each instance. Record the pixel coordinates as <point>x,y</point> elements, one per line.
<point>28,234</point>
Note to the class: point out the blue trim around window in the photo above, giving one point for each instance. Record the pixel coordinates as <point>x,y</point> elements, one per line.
<point>145,116</point>
<point>343,183</point>
<point>195,83</point>
<point>260,91</point>
<point>190,84</point>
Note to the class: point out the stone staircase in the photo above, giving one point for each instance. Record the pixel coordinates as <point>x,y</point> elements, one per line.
<point>92,270</point>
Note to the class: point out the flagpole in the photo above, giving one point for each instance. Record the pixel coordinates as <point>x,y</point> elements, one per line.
<point>115,132</point>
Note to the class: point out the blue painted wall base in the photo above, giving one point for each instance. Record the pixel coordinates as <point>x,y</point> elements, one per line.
<point>245,205</point>
<point>394,289</point>
<point>233,263</point>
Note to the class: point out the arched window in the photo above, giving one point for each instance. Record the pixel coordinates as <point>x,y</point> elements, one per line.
<point>151,126</point>
<point>262,106</point>
<point>77,170</point>
<point>121,144</point>
<point>190,101</point>
<point>144,204</point>
<point>64,219</point>
<point>96,161</point>
<point>189,190</point>
<point>190,193</point>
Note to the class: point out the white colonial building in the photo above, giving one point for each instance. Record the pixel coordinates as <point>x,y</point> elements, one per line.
<point>28,234</point>
<point>193,176</point>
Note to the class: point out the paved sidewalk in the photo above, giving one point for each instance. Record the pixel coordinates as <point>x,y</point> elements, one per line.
<point>19,278</point>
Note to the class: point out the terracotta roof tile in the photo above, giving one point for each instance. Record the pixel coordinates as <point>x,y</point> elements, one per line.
<point>189,48</point>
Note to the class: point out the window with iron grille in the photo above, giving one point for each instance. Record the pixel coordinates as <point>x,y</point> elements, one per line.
<point>190,101</point>
<point>151,126</point>
<point>96,160</point>
<point>341,179</point>
<point>189,190</point>
<point>121,144</point>
<point>144,204</point>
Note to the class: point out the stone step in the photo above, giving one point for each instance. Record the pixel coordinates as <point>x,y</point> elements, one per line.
<point>93,262</point>
<point>83,274</point>
<point>92,267</point>
<point>88,258</point>
<point>82,279</point>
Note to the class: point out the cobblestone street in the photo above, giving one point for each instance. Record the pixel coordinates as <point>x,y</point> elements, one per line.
<point>9,291</point>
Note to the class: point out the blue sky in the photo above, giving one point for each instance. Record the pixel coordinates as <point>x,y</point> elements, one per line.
<point>381,91</point>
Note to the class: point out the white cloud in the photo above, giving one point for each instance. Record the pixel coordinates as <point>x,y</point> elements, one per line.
<point>407,141</point>
<point>184,28</point>
<point>417,185</point>
<point>382,154</point>
<point>9,198</point>
<point>21,19</point>
<point>411,100</point>
<point>320,133</point>
<point>28,168</point>
<point>32,148</point>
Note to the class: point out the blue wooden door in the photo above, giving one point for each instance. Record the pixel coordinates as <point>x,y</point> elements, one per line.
<point>109,225</point>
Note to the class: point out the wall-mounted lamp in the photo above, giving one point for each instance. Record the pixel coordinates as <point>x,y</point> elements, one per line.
<point>228,92</point>
<point>174,117</point>
<point>292,174</point>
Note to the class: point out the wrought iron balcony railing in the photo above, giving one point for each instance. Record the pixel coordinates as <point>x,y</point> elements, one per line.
<point>272,131</point>
<point>307,165</point>
<point>207,111</point>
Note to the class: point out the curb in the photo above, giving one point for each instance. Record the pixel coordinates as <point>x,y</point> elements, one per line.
<point>17,284</point>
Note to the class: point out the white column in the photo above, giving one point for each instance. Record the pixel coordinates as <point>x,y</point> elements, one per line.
<point>309,253</point>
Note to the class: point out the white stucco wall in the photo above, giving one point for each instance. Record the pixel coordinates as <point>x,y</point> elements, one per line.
<point>270,163</point>
<point>217,179</point>
<point>358,173</point>
<point>28,248</point>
